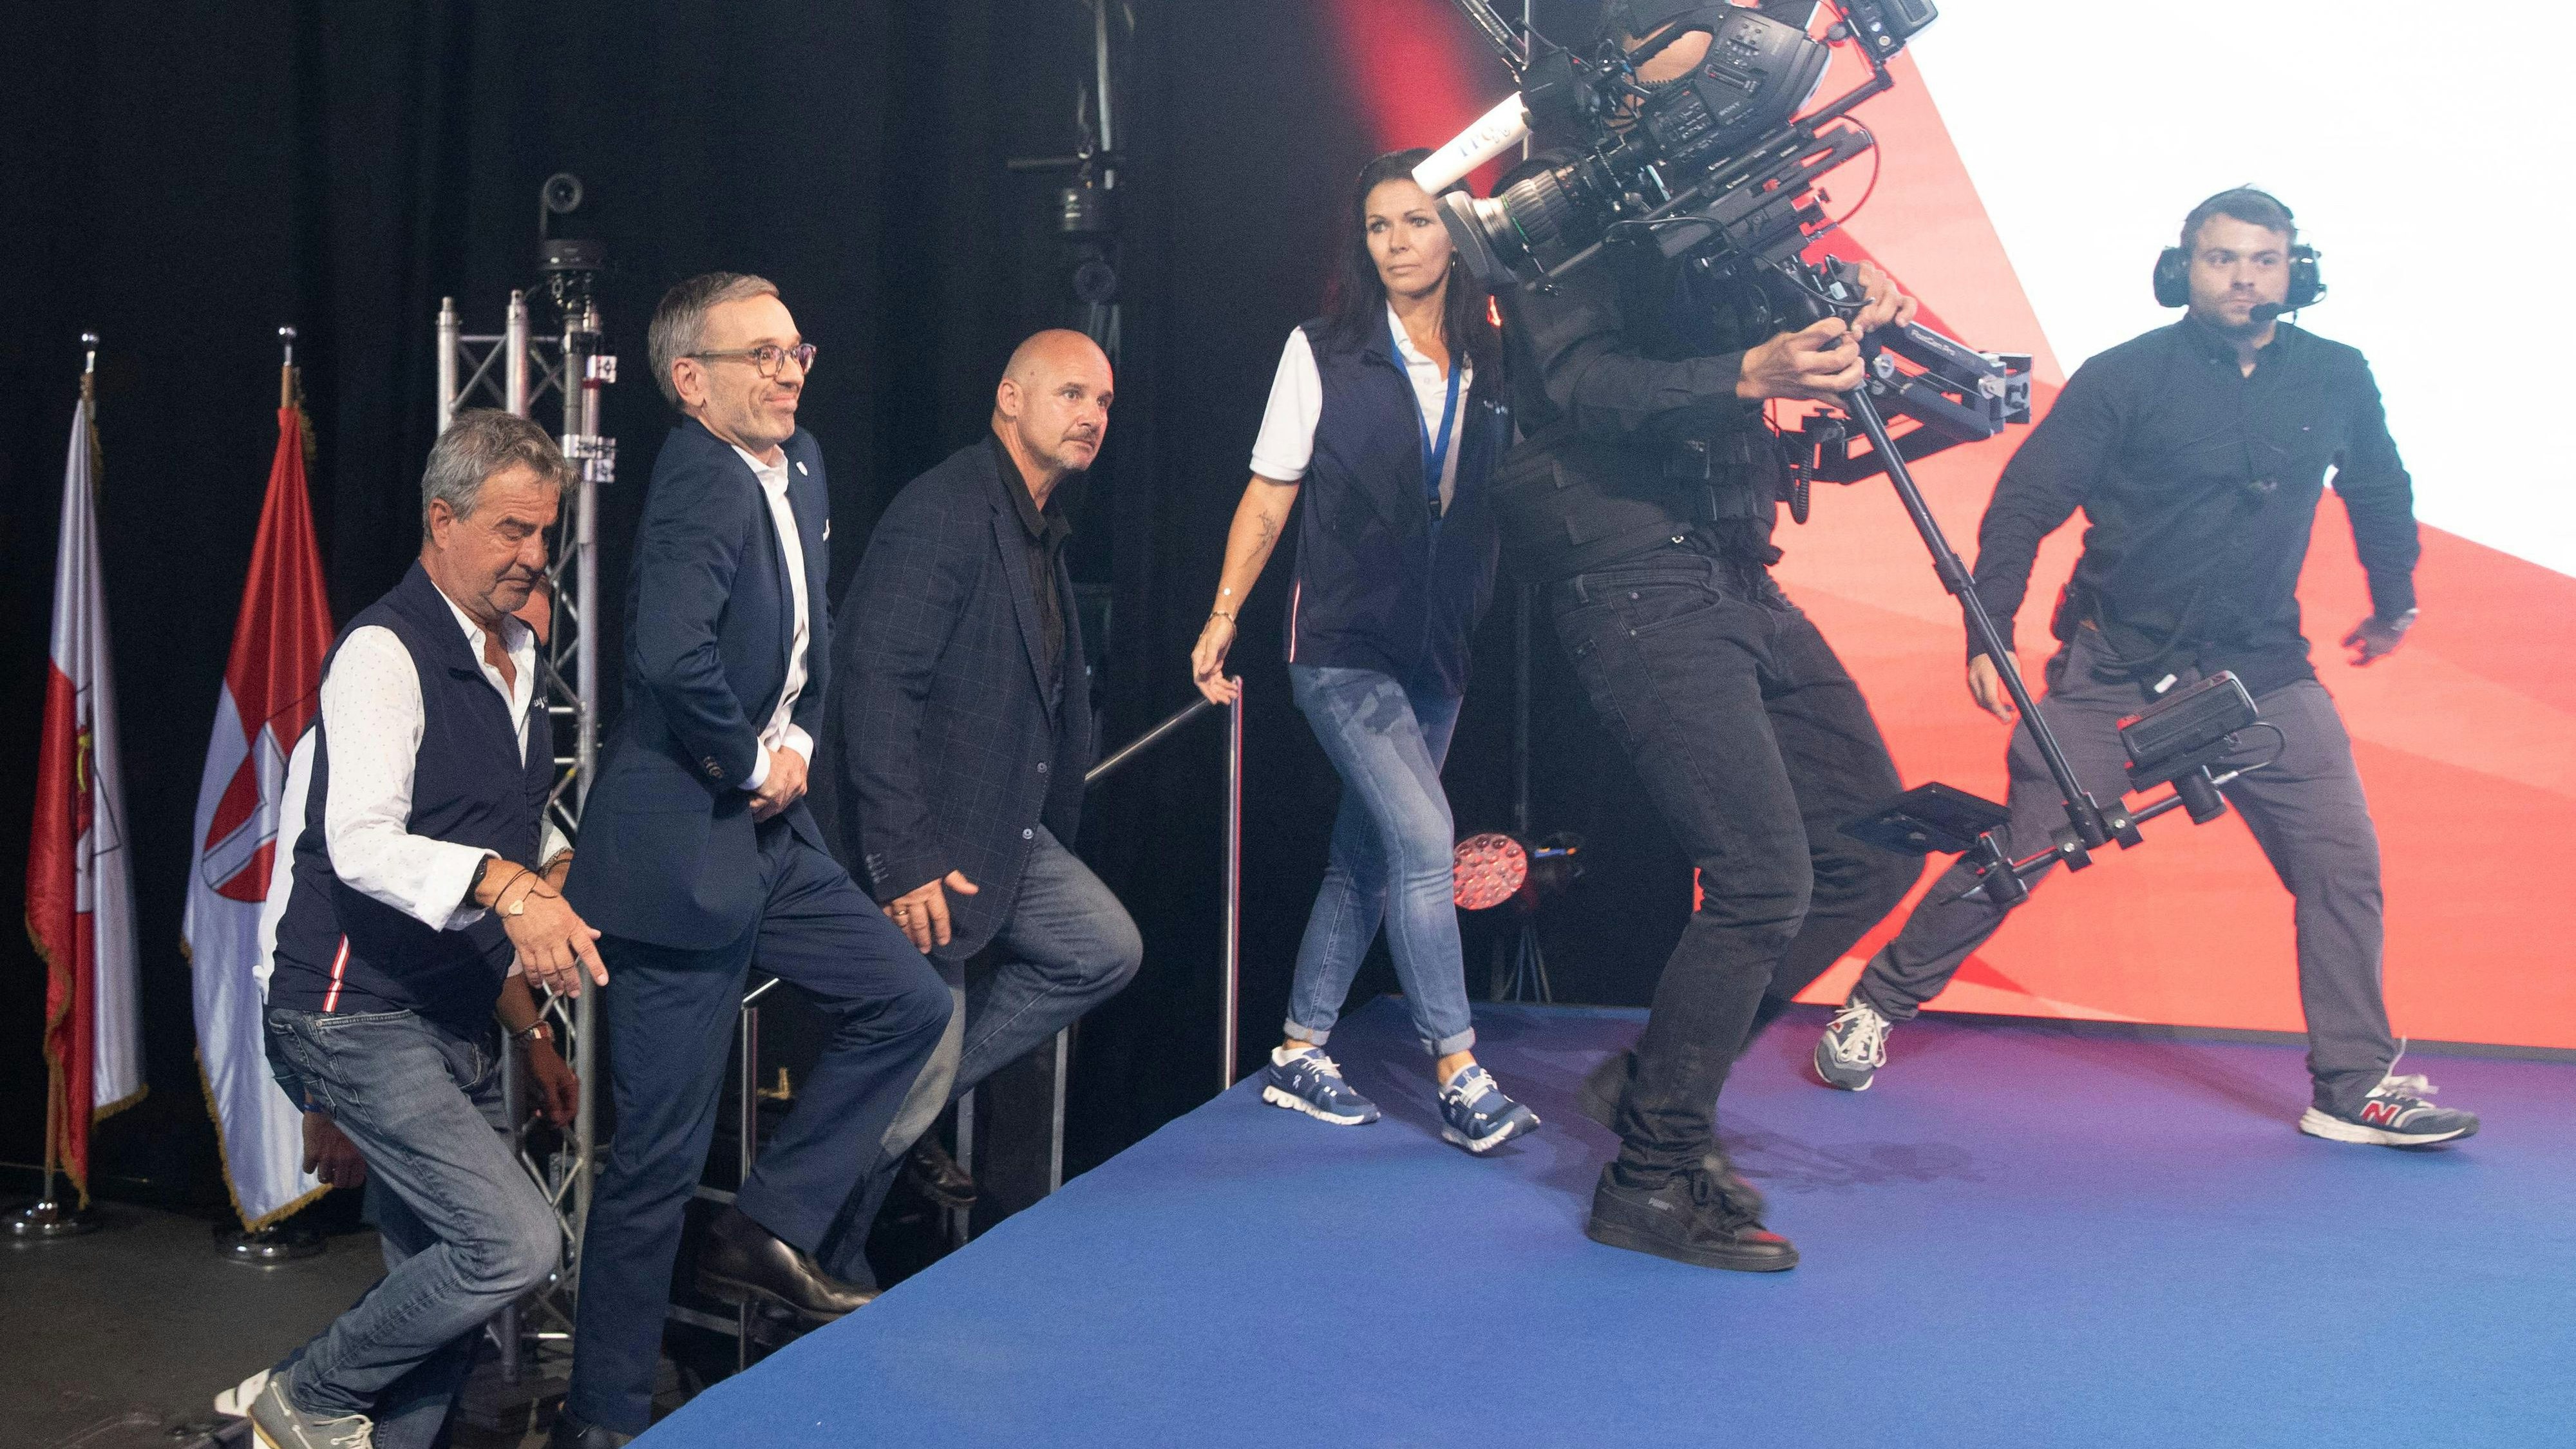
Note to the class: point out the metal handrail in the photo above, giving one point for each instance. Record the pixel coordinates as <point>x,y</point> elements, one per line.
<point>1233,953</point>
<point>1146,741</point>
<point>747,1088</point>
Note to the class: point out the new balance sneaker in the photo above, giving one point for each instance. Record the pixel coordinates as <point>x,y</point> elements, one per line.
<point>1306,1080</point>
<point>1706,1216</point>
<point>276,1423</point>
<point>1853,1047</point>
<point>2395,1114</point>
<point>1476,1115</point>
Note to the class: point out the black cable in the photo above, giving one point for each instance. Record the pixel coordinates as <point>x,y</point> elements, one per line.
<point>1876,165</point>
<point>2277,733</point>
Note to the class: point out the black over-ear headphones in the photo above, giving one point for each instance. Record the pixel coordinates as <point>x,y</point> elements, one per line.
<point>2173,265</point>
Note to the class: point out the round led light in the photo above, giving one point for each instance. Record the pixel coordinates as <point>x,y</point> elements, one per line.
<point>1490,870</point>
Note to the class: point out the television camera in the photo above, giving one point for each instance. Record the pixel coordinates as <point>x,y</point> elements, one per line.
<point>1718,169</point>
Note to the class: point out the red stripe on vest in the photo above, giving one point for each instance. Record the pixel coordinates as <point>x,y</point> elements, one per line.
<point>339,967</point>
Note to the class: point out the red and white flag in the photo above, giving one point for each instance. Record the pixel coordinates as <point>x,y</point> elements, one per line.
<point>80,889</point>
<point>272,688</point>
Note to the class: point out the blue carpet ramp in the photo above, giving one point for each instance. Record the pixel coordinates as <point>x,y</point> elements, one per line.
<point>2020,1236</point>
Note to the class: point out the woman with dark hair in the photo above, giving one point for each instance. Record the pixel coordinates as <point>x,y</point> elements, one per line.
<point>1384,414</point>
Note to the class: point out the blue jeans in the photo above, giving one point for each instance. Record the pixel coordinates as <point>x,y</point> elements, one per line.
<point>1067,947</point>
<point>413,1409</point>
<point>466,1232</point>
<point>1392,855</point>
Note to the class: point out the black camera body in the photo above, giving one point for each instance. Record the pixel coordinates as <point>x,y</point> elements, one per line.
<point>1757,72</point>
<point>1719,157</point>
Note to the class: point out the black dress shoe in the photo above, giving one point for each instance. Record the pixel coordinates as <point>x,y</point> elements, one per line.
<point>937,1174</point>
<point>572,1433</point>
<point>744,1262</point>
<point>1705,1216</point>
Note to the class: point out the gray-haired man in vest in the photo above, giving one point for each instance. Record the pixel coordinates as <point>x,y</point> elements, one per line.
<point>423,869</point>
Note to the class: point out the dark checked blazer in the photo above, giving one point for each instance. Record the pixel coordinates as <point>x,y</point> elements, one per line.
<point>941,750</point>
<point>667,853</point>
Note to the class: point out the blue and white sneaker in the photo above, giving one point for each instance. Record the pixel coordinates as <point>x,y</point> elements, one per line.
<point>1476,1115</point>
<point>1306,1080</point>
<point>2395,1114</point>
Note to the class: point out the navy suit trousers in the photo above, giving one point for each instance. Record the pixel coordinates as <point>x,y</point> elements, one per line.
<point>671,1016</point>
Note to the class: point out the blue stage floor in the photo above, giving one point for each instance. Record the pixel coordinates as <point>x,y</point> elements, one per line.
<point>2021,1236</point>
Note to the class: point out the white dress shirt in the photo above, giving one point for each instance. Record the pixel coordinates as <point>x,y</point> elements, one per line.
<point>372,716</point>
<point>1286,444</point>
<point>777,733</point>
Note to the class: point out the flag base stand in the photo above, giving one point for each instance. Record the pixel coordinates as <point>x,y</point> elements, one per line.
<point>47,1219</point>
<point>268,1247</point>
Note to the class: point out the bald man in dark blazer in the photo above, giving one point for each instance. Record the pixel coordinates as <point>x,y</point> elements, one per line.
<point>960,730</point>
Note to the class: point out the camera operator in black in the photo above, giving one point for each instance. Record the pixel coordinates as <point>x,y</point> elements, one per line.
<point>1642,500</point>
<point>2198,452</point>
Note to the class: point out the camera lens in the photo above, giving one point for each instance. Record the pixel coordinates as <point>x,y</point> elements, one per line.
<point>1539,207</point>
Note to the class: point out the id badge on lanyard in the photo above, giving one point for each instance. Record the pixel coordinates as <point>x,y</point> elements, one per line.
<point>1435,452</point>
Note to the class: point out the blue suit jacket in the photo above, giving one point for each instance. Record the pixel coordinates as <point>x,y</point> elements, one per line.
<point>941,750</point>
<point>667,852</point>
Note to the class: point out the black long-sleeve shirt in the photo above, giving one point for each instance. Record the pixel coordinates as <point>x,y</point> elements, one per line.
<point>2199,485</point>
<point>1617,368</point>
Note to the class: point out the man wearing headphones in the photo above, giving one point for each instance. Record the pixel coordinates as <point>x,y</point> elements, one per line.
<point>2198,453</point>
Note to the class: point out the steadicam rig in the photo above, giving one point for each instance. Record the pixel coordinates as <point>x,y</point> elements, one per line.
<point>1717,169</point>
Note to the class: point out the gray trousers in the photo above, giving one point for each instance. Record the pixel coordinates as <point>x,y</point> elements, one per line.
<point>1068,946</point>
<point>2306,811</point>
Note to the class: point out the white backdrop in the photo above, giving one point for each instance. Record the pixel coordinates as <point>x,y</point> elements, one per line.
<point>2424,147</point>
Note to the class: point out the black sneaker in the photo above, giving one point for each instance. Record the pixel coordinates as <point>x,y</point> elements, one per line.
<point>1706,1216</point>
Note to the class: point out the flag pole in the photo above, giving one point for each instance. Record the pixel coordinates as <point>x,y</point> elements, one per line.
<point>49,1218</point>
<point>287,1239</point>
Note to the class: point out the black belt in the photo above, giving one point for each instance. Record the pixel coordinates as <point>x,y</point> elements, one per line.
<point>1716,474</point>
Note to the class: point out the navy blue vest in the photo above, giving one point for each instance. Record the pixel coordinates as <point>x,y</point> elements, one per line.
<point>341,951</point>
<point>1378,586</point>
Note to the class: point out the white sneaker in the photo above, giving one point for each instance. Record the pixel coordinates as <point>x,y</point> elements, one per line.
<point>234,1403</point>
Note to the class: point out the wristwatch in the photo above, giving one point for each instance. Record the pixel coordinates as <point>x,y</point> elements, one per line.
<point>536,1031</point>
<point>2400,624</point>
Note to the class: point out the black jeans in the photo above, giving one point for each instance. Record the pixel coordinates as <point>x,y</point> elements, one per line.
<point>1757,748</point>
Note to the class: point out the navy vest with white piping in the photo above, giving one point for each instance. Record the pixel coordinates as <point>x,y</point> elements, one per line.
<point>1380,584</point>
<point>340,951</point>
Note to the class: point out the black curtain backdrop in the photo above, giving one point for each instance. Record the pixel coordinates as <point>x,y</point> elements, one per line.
<point>186,179</point>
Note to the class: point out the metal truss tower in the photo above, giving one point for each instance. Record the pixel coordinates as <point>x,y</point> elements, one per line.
<point>513,369</point>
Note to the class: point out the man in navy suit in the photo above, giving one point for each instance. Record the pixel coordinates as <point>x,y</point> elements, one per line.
<point>960,730</point>
<point>698,855</point>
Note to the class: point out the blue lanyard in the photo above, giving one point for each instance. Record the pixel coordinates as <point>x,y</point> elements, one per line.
<point>1435,454</point>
